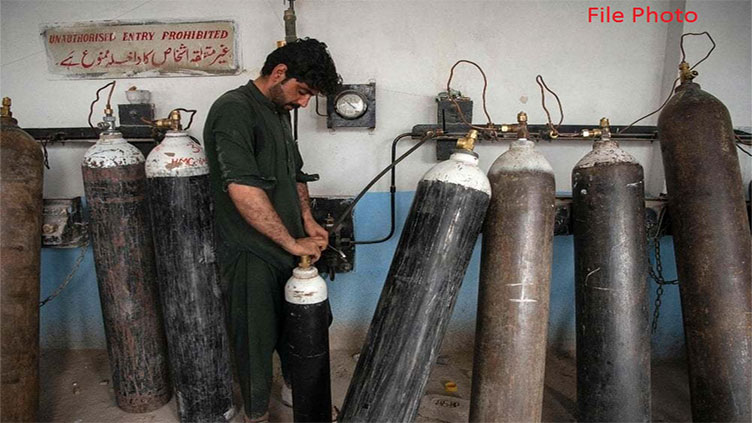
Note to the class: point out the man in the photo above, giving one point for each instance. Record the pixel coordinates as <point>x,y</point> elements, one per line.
<point>263,216</point>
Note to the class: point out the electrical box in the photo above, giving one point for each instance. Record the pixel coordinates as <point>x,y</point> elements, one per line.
<point>353,106</point>
<point>63,225</point>
<point>131,114</point>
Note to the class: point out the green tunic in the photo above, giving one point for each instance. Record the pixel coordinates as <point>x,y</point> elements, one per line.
<point>248,141</point>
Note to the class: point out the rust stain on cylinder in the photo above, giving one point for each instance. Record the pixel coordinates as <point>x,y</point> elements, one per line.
<point>124,259</point>
<point>20,247</point>
<point>713,251</point>
<point>513,297</point>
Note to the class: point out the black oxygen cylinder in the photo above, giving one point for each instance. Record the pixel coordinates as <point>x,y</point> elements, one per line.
<point>115,186</point>
<point>510,340</point>
<point>611,288</point>
<point>420,292</point>
<point>21,180</point>
<point>307,335</point>
<point>713,251</point>
<point>182,215</point>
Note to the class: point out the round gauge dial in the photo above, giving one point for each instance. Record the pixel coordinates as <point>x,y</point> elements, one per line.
<point>350,105</point>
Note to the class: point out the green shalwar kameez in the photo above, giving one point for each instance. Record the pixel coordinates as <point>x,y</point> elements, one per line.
<point>249,141</point>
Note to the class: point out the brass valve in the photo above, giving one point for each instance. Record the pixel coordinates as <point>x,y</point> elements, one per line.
<point>597,132</point>
<point>305,262</point>
<point>5,111</point>
<point>522,131</point>
<point>588,133</point>
<point>172,122</point>
<point>281,43</point>
<point>467,142</point>
<point>685,73</point>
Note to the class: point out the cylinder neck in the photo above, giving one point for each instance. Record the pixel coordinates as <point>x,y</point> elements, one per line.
<point>521,143</point>
<point>111,137</point>
<point>305,272</point>
<point>464,156</point>
<point>173,136</point>
<point>605,143</point>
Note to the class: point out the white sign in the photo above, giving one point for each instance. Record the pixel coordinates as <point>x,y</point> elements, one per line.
<point>114,49</point>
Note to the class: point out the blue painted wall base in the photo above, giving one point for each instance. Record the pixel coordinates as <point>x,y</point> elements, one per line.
<point>74,319</point>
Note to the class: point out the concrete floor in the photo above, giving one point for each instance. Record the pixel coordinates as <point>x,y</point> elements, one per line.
<point>76,388</point>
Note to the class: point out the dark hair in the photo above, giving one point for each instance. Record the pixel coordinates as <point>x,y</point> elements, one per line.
<point>307,61</point>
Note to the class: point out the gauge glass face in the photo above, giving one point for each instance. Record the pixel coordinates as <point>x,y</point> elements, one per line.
<point>350,105</point>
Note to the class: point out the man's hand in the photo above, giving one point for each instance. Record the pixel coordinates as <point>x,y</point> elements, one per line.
<point>312,228</point>
<point>315,230</point>
<point>311,246</point>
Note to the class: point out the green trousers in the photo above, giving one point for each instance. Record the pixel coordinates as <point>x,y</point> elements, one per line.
<point>255,300</point>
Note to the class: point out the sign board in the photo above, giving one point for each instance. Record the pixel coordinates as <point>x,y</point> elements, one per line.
<point>118,49</point>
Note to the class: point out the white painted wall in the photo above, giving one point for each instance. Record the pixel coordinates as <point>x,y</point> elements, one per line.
<point>614,70</point>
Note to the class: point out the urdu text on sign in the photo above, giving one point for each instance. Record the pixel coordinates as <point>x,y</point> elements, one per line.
<point>136,49</point>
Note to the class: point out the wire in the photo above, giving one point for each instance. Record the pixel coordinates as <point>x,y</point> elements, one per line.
<point>343,216</point>
<point>392,194</point>
<point>317,107</point>
<point>673,86</point>
<point>190,121</point>
<point>542,85</point>
<point>109,98</point>
<point>745,151</point>
<point>459,110</point>
<point>670,94</point>
<point>295,124</point>
<point>681,45</point>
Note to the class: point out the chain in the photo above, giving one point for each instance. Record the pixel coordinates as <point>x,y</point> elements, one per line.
<point>69,277</point>
<point>657,273</point>
<point>45,155</point>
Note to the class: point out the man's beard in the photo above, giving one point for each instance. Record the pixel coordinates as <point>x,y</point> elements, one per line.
<point>278,98</point>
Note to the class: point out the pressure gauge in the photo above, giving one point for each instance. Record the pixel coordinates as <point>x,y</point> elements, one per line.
<point>350,104</point>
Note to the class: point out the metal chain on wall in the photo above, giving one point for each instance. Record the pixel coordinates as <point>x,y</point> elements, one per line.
<point>67,280</point>
<point>654,237</point>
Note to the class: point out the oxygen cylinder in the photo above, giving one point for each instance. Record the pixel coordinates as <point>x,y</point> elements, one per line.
<point>420,290</point>
<point>307,326</point>
<point>115,187</point>
<point>182,215</point>
<point>713,250</point>
<point>510,342</point>
<point>20,248</point>
<point>611,289</point>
